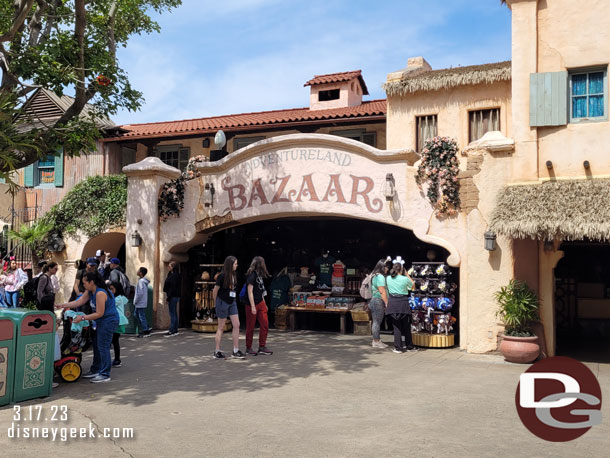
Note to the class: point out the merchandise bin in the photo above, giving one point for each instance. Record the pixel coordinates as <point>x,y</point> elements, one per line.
<point>7,359</point>
<point>34,352</point>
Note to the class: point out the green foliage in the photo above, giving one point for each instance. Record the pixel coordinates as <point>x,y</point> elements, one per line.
<point>34,237</point>
<point>93,206</point>
<point>439,169</point>
<point>32,305</point>
<point>518,308</point>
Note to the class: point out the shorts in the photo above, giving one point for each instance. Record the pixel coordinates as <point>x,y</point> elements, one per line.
<point>225,309</point>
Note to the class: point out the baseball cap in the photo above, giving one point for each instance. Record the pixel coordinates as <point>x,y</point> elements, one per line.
<point>92,261</point>
<point>98,253</point>
<point>116,261</point>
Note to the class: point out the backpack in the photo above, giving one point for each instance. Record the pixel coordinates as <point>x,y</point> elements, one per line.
<point>366,288</point>
<point>30,291</point>
<point>125,284</point>
<point>243,294</point>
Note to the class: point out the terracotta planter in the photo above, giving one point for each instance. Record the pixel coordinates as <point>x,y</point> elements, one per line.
<point>522,350</point>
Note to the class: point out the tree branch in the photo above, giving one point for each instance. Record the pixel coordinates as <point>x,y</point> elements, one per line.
<point>35,25</point>
<point>22,11</point>
<point>110,39</point>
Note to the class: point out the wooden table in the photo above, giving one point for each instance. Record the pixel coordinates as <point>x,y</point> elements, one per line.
<point>292,311</point>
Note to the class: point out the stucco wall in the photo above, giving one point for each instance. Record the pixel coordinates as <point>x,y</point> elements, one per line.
<point>451,107</point>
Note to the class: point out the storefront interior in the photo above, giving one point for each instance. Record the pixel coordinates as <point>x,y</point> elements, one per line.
<point>294,243</point>
<point>582,301</point>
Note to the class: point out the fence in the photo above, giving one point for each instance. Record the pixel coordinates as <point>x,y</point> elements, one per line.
<point>18,218</point>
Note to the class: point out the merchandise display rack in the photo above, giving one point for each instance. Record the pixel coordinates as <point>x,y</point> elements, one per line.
<point>205,313</point>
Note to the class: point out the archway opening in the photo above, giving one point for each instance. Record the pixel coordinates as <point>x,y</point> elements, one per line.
<point>298,242</point>
<point>582,301</point>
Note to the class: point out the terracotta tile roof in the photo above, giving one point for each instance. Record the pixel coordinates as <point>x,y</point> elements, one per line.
<point>250,121</point>
<point>338,78</point>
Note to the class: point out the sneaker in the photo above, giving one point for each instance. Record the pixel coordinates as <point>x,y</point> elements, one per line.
<point>414,348</point>
<point>397,350</point>
<point>219,355</point>
<point>238,354</point>
<point>116,363</point>
<point>264,351</point>
<point>140,336</point>
<point>175,333</point>
<point>55,385</point>
<point>91,374</point>
<point>147,333</point>
<point>251,352</point>
<point>100,379</point>
<point>168,334</point>
<point>379,344</point>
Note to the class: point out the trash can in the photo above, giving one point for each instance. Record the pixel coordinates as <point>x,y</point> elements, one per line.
<point>7,359</point>
<point>34,352</point>
<point>133,327</point>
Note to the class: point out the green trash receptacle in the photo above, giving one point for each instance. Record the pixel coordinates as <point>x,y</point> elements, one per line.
<point>7,359</point>
<point>149,307</point>
<point>130,314</point>
<point>34,352</point>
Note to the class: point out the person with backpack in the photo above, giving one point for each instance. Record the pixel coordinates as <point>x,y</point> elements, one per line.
<point>224,295</point>
<point>117,275</point>
<point>256,307</point>
<point>398,285</point>
<point>140,301</point>
<point>45,291</point>
<point>378,298</point>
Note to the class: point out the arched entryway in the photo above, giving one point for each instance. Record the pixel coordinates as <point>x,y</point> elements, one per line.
<point>582,301</point>
<point>110,242</point>
<point>296,242</point>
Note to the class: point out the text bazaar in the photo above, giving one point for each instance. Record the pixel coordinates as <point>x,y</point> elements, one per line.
<point>286,191</point>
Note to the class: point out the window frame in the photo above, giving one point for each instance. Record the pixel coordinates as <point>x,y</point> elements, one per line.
<point>173,148</point>
<point>473,110</point>
<point>356,134</point>
<point>587,71</point>
<point>417,134</point>
<point>37,171</point>
<point>237,141</point>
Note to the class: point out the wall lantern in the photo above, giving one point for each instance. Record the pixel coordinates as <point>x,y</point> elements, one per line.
<point>586,165</point>
<point>389,189</point>
<point>136,240</point>
<point>205,143</point>
<point>220,139</point>
<point>490,241</point>
<point>208,195</point>
<point>549,165</point>
<point>548,245</point>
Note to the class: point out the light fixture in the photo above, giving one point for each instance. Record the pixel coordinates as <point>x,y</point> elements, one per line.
<point>490,241</point>
<point>205,143</point>
<point>586,165</point>
<point>208,195</point>
<point>549,165</point>
<point>389,189</point>
<point>136,240</point>
<point>220,140</point>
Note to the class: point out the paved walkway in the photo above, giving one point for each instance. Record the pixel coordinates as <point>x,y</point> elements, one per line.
<point>318,395</point>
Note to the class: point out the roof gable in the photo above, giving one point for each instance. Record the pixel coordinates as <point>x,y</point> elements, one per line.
<point>339,78</point>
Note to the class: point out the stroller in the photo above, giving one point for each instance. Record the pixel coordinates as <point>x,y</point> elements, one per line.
<point>76,339</point>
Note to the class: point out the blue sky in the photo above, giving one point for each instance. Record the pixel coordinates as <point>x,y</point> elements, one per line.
<point>235,56</point>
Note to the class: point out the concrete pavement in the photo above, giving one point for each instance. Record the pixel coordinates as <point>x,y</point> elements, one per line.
<point>320,394</point>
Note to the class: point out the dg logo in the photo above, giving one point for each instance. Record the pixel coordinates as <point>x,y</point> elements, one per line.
<point>559,399</point>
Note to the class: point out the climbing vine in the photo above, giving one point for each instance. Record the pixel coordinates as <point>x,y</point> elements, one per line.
<point>171,198</point>
<point>438,169</point>
<point>93,206</point>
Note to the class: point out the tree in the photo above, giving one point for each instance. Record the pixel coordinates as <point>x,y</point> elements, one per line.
<point>63,46</point>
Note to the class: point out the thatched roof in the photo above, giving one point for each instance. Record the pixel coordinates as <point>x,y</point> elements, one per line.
<point>557,210</point>
<point>434,80</point>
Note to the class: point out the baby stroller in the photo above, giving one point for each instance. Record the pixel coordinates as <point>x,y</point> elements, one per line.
<point>76,339</point>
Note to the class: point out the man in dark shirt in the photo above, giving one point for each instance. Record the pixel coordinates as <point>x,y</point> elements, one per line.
<point>171,288</point>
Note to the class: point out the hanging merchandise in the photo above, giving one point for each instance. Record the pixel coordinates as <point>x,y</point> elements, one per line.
<point>324,265</point>
<point>431,302</point>
<point>203,302</point>
<point>279,290</point>
<point>338,278</point>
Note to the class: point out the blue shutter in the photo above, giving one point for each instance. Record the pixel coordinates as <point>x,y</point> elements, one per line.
<point>59,168</point>
<point>549,99</point>
<point>28,176</point>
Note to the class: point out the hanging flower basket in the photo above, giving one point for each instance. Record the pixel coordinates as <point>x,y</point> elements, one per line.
<point>171,198</point>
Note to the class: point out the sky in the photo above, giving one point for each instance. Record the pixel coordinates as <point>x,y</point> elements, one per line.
<point>216,57</point>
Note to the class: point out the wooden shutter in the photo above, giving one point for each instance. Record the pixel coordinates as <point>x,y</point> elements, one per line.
<point>28,175</point>
<point>549,99</point>
<point>59,169</point>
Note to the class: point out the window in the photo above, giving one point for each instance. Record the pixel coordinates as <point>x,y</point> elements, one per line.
<point>45,172</point>
<point>483,121</point>
<point>588,95</point>
<point>426,128</point>
<point>128,156</point>
<point>173,155</point>
<point>370,138</point>
<point>332,94</point>
<point>245,141</point>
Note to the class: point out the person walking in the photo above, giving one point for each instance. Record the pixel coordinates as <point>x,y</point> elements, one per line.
<point>140,301</point>
<point>224,296</point>
<point>399,284</point>
<point>256,309</point>
<point>171,288</point>
<point>106,318</point>
<point>45,293</point>
<point>379,299</point>
<point>15,279</point>
<point>120,301</point>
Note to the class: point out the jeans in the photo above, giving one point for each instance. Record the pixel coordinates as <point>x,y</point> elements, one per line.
<point>2,298</point>
<point>377,308</point>
<point>12,298</point>
<point>401,322</point>
<point>141,315</point>
<point>117,346</point>
<point>101,346</point>
<point>173,314</point>
<point>263,322</point>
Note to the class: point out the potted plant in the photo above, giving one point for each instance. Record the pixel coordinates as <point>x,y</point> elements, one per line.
<point>518,309</point>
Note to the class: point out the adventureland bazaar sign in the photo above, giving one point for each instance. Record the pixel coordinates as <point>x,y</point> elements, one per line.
<point>303,176</point>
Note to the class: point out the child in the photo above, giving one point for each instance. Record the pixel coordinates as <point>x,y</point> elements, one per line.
<point>120,301</point>
<point>140,301</point>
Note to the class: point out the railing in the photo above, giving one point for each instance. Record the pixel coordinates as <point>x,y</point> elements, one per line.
<point>12,248</point>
